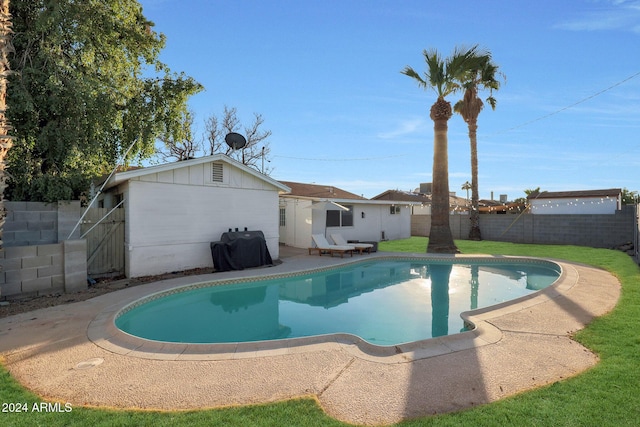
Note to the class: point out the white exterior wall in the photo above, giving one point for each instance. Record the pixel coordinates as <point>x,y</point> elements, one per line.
<point>397,226</point>
<point>581,205</point>
<point>298,219</point>
<point>302,222</point>
<point>173,216</point>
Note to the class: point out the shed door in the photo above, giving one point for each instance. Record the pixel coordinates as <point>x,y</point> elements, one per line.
<point>105,241</point>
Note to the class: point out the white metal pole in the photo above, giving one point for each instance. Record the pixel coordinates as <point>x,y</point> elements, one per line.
<point>100,191</point>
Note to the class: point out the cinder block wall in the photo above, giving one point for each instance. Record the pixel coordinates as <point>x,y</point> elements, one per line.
<point>420,225</point>
<point>33,261</point>
<point>35,223</point>
<point>598,231</point>
<point>43,269</point>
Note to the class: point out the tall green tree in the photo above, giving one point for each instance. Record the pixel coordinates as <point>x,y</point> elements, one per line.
<point>90,85</point>
<point>443,76</point>
<point>177,150</point>
<point>469,107</point>
<point>630,197</point>
<point>466,186</point>
<point>6,140</point>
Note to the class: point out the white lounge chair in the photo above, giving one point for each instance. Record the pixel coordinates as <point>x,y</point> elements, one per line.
<point>360,247</point>
<point>322,245</point>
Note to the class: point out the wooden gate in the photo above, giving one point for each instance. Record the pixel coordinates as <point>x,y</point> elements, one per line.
<point>105,241</point>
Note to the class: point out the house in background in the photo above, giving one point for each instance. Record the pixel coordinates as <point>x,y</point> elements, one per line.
<point>366,220</point>
<point>175,210</point>
<point>490,206</point>
<point>606,201</point>
<point>421,199</point>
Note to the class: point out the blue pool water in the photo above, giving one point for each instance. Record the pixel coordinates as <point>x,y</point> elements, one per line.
<point>384,302</point>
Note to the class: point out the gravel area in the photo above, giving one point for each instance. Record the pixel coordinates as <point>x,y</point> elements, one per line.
<point>100,287</point>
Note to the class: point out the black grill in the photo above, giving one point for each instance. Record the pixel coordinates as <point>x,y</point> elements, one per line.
<point>238,250</point>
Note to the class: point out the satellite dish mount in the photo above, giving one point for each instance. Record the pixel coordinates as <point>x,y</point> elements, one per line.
<point>235,140</point>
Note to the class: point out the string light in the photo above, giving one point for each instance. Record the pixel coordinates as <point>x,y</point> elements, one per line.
<point>519,208</point>
<point>577,202</point>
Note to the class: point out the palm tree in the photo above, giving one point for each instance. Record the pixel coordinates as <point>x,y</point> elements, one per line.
<point>5,139</point>
<point>466,186</point>
<point>443,76</point>
<point>469,108</point>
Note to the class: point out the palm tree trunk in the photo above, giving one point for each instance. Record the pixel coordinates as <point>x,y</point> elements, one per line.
<point>440,238</point>
<point>474,217</point>
<point>6,141</point>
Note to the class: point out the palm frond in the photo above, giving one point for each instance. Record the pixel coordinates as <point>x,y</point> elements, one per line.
<point>465,59</point>
<point>436,72</point>
<point>481,74</point>
<point>458,107</point>
<point>465,69</point>
<point>408,71</point>
<point>492,101</point>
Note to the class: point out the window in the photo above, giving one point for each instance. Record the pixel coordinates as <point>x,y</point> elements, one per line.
<point>283,217</point>
<point>340,218</point>
<point>394,210</point>
<point>347,217</point>
<point>333,218</point>
<point>217,174</point>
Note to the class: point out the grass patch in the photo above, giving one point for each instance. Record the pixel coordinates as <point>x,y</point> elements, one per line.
<point>606,395</point>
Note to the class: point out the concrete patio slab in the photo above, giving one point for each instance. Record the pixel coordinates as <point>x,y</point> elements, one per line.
<point>72,353</point>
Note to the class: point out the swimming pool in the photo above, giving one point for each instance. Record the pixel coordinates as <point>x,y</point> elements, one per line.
<point>384,302</point>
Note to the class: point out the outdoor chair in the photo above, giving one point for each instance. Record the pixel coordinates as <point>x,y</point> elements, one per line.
<point>360,247</point>
<point>323,246</point>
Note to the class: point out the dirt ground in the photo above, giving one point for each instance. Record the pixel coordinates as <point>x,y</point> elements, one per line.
<point>101,287</point>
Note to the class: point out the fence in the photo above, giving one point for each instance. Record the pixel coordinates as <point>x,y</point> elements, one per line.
<point>104,230</point>
<point>600,231</point>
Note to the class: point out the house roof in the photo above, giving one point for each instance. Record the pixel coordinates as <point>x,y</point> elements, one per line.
<point>459,202</point>
<point>409,196</point>
<point>500,207</point>
<point>120,177</point>
<point>319,191</point>
<point>611,192</point>
<point>406,196</point>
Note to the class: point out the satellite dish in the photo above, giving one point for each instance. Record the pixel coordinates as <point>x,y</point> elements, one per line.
<point>235,140</point>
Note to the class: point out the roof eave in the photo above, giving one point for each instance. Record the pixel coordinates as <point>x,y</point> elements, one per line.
<point>351,201</point>
<point>121,177</point>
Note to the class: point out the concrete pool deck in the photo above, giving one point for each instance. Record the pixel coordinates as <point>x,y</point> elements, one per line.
<point>71,353</point>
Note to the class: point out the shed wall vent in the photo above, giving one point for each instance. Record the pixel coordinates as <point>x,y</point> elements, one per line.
<point>217,172</point>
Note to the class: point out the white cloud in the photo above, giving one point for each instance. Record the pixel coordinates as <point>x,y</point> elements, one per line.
<point>620,15</point>
<point>406,127</point>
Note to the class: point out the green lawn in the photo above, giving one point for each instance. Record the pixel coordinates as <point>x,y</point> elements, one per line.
<point>607,395</point>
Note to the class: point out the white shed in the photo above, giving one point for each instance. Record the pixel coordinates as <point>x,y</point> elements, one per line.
<point>606,201</point>
<point>366,220</point>
<point>175,210</point>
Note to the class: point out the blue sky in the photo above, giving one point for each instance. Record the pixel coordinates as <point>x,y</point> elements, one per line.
<point>326,77</point>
